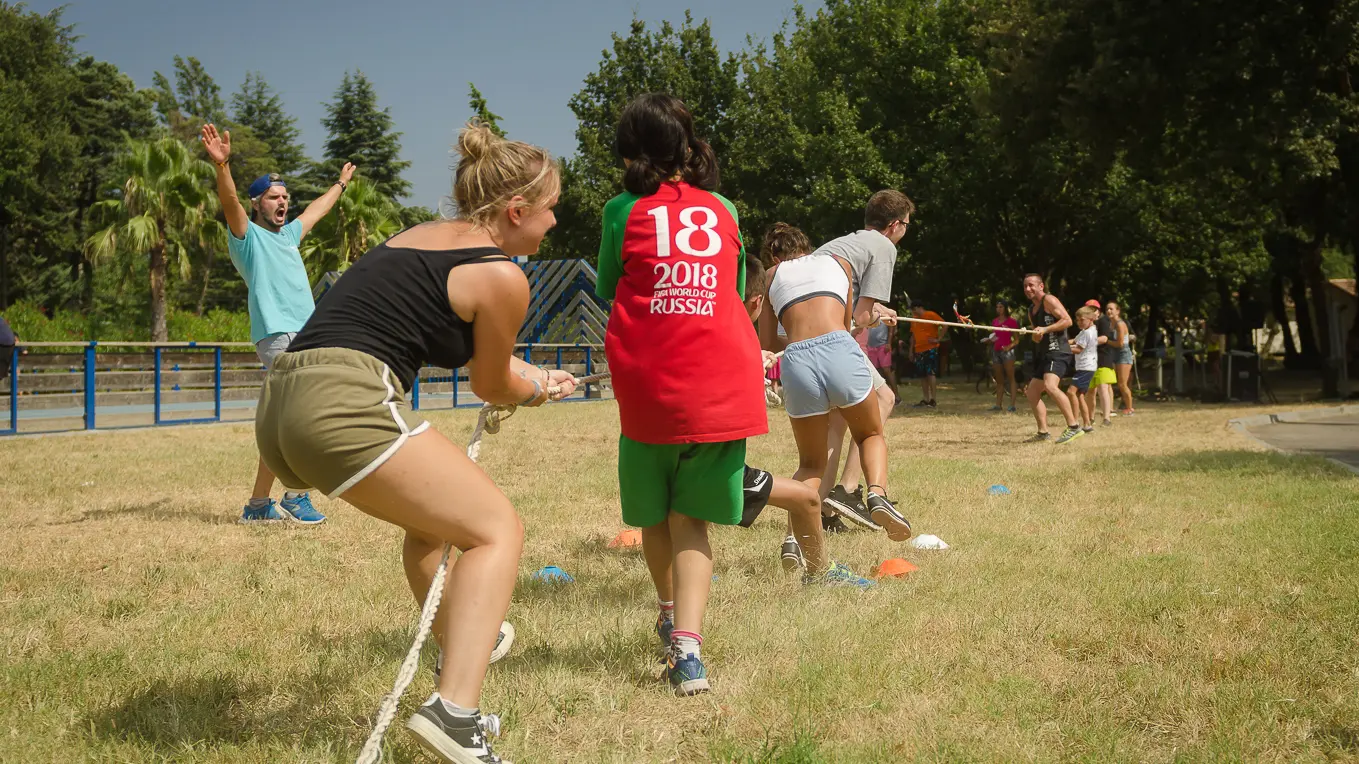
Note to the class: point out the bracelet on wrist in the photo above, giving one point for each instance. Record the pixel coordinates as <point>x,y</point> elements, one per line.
<point>537,391</point>
<point>223,163</point>
<point>343,186</point>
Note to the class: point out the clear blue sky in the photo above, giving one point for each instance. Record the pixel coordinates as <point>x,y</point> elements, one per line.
<point>528,58</point>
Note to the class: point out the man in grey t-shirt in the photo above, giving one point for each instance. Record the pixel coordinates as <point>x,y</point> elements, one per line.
<point>872,257</point>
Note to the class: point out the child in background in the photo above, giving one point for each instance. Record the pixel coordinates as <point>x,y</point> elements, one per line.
<point>686,364</point>
<point>1086,349</point>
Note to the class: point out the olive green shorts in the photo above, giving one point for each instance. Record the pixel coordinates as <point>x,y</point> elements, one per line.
<point>328,417</point>
<point>699,480</point>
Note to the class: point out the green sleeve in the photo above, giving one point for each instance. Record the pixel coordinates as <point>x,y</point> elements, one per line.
<point>610,265</point>
<point>741,259</point>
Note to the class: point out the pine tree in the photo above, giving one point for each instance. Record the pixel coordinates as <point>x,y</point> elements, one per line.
<point>259,107</point>
<point>362,133</point>
<point>482,110</point>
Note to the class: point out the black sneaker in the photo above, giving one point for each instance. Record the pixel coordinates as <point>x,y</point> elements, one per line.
<point>1040,437</point>
<point>884,514</point>
<point>922,404</point>
<point>455,739</point>
<point>1088,430</point>
<point>503,642</point>
<point>851,507</point>
<point>933,405</point>
<point>833,524</point>
<point>790,556</point>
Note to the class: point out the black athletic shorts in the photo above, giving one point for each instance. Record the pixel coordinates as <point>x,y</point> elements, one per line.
<point>1061,365</point>
<point>755,488</point>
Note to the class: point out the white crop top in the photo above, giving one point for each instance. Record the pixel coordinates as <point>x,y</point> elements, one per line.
<point>803,278</point>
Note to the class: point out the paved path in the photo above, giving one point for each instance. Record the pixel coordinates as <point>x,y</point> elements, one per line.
<point>1335,437</point>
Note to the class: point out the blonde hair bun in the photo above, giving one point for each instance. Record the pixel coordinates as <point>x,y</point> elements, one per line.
<point>493,170</point>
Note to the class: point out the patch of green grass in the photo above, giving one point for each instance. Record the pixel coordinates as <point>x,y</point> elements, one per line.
<point>1159,590</point>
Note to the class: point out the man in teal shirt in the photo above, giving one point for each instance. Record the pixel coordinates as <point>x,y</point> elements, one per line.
<point>265,252</point>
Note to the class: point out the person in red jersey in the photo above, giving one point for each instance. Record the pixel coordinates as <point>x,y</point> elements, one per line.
<point>687,368</point>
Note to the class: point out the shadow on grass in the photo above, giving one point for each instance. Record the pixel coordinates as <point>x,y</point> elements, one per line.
<point>177,716</point>
<point>162,510</point>
<point>1245,464</point>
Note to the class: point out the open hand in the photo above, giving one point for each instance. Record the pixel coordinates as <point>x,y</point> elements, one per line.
<point>217,145</point>
<point>346,172</point>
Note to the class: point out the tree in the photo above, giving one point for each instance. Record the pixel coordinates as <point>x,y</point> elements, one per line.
<point>361,133</point>
<point>258,107</point>
<point>362,219</point>
<point>163,210</point>
<point>482,111</point>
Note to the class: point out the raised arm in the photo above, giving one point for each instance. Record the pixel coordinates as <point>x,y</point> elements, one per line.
<point>218,147</point>
<point>321,207</point>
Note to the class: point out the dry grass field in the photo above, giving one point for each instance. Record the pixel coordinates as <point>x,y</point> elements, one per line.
<point>1160,590</point>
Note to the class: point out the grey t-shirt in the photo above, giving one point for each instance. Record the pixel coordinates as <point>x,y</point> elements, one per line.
<point>872,258</point>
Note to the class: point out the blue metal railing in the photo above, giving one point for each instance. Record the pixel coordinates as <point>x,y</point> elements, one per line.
<point>89,372</point>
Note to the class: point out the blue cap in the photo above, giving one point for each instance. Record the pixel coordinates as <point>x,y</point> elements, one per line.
<point>264,183</point>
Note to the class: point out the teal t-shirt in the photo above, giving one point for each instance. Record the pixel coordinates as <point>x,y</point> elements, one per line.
<point>270,263</point>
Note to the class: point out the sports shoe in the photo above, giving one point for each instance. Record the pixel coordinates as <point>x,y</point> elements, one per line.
<point>268,514</point>
<point>1011,410</point>
<point>300,510</point>
<point>1126,412</point>
<point>933,405</point>
<point>1088,430</point>
<point>1038,437</point>
<point>837,575</point>
<point>790,556</point>
<point>884,514</point>
<point>1107,422</point>
<point>922,404</point>
<point>851,507</point>
<point>455,739</point>
<point>503,642</point>
<point>1068,435</point>
<point>665,629</point>
<point>995,408</point>
<point>686,673</point>
<point>833,524</point>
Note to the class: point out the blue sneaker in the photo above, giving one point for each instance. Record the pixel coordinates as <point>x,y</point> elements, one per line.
<point>301,511</point>
<point>665,629</point>
<point>686,673</point>
<point>268,514</point>
<point>839,575</point>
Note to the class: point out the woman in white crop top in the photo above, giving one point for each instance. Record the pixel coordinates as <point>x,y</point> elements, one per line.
<point>823,366</point>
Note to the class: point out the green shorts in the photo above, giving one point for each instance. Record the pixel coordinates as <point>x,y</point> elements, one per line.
<point>328,417</point>
<point>1105,376</point>
<point>698,480</point>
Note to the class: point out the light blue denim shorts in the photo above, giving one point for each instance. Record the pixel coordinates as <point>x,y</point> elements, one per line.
<point>825,372</point>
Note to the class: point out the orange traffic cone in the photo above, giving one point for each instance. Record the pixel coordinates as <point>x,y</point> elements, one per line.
<point>895,567</point>
<point>625,539</point>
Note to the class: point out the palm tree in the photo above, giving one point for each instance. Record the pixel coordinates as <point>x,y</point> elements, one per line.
<point>362,219</point>
<point>165,210</point>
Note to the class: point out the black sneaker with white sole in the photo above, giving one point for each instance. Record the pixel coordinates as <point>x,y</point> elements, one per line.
<point>851,507</point>
<point>455,739</point>
<point>790,556</point>
<point>884,514</point>
<point>833,524</point>
<point>503,642</point>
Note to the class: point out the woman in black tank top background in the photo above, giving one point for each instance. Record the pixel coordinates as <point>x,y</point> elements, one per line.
<point>1052,359</point>
<point>443,292</point>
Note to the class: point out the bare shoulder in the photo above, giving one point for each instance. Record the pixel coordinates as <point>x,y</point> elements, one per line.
<point>491,283</point>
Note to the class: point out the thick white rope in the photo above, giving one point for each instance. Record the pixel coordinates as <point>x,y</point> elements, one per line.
<point>488,423</point>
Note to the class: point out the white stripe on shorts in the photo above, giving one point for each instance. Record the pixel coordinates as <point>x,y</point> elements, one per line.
<point>406,434</point>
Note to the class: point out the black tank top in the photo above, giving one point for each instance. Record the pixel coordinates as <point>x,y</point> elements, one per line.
<point>393,305</point>
<point>1054,344</point>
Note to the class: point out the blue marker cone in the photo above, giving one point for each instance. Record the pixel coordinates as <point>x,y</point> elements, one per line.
<point>553,575</point>
<point>998,490</point>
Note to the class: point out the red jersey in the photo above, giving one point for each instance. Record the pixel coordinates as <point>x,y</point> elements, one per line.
<point>682,350</point>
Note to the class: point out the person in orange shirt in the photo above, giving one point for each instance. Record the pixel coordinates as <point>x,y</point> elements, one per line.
<point>925,339</point>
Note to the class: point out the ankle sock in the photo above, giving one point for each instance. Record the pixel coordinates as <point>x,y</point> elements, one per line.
<point>688,643</point>
<point>259,503</point>
<point>453,708</point>
<point>667,609</point>
<point>292,495</point>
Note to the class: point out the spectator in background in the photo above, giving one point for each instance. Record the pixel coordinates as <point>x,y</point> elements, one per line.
<point>877,344</point>
<point>1105,376</point>
<point>1002,354</point>
<point>925,340</point>
<point>7,343</point>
